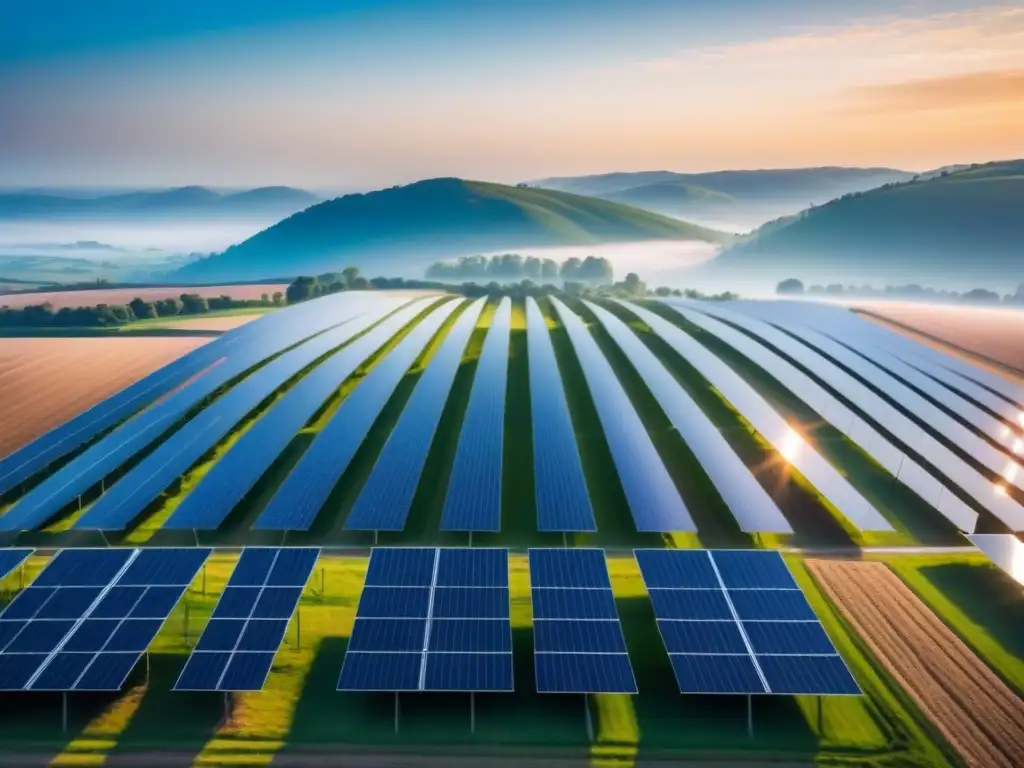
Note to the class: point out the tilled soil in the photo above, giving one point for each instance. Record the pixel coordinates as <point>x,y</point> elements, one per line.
<point>976,712</point>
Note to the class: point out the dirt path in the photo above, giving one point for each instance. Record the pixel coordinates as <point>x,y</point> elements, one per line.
<point>979,716</point>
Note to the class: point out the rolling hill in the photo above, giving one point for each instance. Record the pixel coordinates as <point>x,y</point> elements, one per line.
<point>751,197</point>
<point>182,201</point>
<point>964,229</point>
<point>402,229</point>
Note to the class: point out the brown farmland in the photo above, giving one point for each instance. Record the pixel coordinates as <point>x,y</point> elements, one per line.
<point>973,709</point>
<point>45,382</point>
<point>992,333</point>
<point>90,298</point>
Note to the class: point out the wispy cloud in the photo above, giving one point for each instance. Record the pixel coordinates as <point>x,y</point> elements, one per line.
<point>937,93</point>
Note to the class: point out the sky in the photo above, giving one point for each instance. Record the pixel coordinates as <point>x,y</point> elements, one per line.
<point>364,94</point>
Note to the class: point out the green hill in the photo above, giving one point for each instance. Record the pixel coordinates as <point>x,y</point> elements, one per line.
<point>664,194</point>
<point>402,229</point>
<point>961,229</point>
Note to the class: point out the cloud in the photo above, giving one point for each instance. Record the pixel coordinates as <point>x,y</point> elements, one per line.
<point>954,92</point>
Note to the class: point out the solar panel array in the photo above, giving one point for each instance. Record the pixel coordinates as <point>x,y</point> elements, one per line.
<point>432,620</point>
<point>295,505</point>
<point>127,498</point>
<point>236,472</point>
<point>563,503</point>
<point>238,645</point>
<point>748,501</point>
<point>473,500</point>
<point>652,496</point>
<point>383,503</point>
<point>11,559</point>
<point>735,621</point>
<point>766,420</point>
<point>87,618</point>
<point>889,456</point>
<point>894,421</point>
<point>578,643</point>
<point>112,451</point>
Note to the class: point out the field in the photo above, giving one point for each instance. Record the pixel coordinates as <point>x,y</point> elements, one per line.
<point>992,333</point>
<point>217,321</point>
<point>45,382</point>
<point>976,712</point>
<point>91,298</point>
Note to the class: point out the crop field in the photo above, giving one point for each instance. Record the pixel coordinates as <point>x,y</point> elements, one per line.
<point>90,298</point>
<point>992,333</point>
<point>283,432</point>
<point>44,382</point>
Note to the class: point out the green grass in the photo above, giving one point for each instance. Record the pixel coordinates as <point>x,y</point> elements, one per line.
<point>155,326</point>
<point>300,710</point>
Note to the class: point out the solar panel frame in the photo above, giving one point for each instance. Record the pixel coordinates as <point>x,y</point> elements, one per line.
<point>449,650</point>
<point>573,654</point>
<point>768,620</point>
<point>297,502</point>
<point>236,652</point>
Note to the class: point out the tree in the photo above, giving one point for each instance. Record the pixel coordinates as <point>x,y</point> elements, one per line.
<point>278,298</point>
<point>633,285</point>
<point>193,304</point>
<point>138,307</point>
<point>265,299</point>
<point>570,269</point>
<point>169,307</point>
<point>662,290</point>
<point>350,274</point>
<point>303,288</point>
<point>790,287</point>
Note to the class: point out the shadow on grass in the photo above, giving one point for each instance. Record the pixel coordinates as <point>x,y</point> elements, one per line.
<point>987,596</point>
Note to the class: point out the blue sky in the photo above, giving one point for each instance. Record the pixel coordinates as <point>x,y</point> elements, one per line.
<point>354,95</point>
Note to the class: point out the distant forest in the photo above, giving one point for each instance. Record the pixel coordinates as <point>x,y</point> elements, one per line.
<point>912,291</point>
<point>507,267</point>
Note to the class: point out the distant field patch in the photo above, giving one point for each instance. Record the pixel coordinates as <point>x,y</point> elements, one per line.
<point>45,382</point>
<point>222,323</point>
<point>91,298</point>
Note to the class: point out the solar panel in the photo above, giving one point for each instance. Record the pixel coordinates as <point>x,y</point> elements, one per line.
<point>473,500</point>
<point>766,420</point>
<point>903,429</point>
<point>237,648</point>
<point>652,496</point>
<point>578,644</point>
<point>112,451</point>
<point>11,559</point>
<point>295,505</point>
<point>748,501</point>
<point>383,503</point>
<point>735,621</point>
<point>1003,549</point>
<point>235,473</point>
<point>432,620</point>
<point>560,487</point>
<point>88,617</point>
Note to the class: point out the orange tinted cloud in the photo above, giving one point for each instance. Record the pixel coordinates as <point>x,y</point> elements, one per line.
<point>954,92</point>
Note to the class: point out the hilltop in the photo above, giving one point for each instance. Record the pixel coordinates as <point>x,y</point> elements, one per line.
<point>403,229</point>
<point>948,230</point>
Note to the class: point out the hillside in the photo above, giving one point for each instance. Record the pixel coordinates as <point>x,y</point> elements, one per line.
<point>402,229</point>
<point>964,229</point>
<point>182,201</point>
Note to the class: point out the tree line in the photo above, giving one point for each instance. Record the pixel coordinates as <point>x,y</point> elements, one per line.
<point>110,315</point>
<point>795,287</point>
<point>507,267</point>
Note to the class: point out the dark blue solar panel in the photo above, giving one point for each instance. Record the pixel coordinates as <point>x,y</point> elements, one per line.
<point>242,466</point>
<point>276,602</point>
<point>118,602</point>
<point>677,569</point>
<point>263,635</point>
<point>468,672</point>
<point>753,569</point>
<point>164,567</point>
<point>134,635</point>
<point>716,674</point>
<point>563,503</point>
<point>584,673</point>
<point>8,630</point>
<point>27,603</point>
<point>253,566</point>
<point>388,635</point>
<point>573,604</point>
<point>83,567</point>
<point>202,671</point>
<point>578,637</point>
<point>473,499</point>
<point>157,603</point>
<point>788,637</point>
<point>293,566</point>
<point>69,603</point>
<point>471,603</point>
<point>247,671</point>
<point>11,559</point>
<point>379,672</point>
<point>17,669</point>
<point>39,637</point>
<point>221,635</point>
<point>568,568</point>
<point>401,567</point>
<point>470,636</point>
<point>472,566</point>
<point>91,635</point>
<point>107,672</point>
<point>62,672</point>
<point>690,604</point>
<point>652,496</point>
<point>385,499</point>
<point>237,602</point>
<point>771,605</point>
<point>702,637</point>
<point>395,602</point>
<point>808,675</point>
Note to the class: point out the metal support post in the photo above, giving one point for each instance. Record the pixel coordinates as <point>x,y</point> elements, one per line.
<point>375,538</point>
<point>565,539</point>
<point>185,627</point>
<point>298,629</point>
<point>227,706</point>
<point>323,587</point>
<point>471,538</point>
<point>472,712</point>
<point>204,579</point>
<point>396,711</point>
<point>750,716</point>
<point>821,720</point>
<point>64,712</point>
<point>590,722</point>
